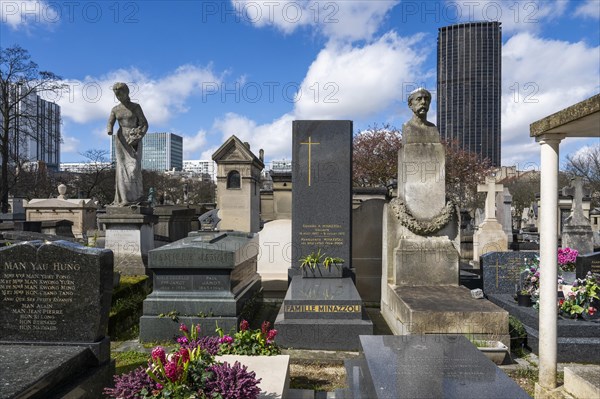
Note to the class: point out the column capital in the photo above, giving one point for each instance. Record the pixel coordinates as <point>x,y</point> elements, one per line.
<point>550,138</point>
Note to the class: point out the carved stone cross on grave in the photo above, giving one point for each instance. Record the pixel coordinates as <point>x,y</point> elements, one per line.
<point>491,188</point>
<point>577,191</point>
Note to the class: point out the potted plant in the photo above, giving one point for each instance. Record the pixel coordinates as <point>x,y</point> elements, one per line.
<point>530,284</point>
<point>524,298</point>
<point>494,350</point>
<point>566,263</point>
<point>319,265</point>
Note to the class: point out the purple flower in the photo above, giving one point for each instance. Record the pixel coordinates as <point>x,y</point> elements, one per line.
<point>271,336</point>
<point>265,327</point>
<point>198,329</point>
<point>182,340</point>
<point>173,370</point>
<point>244,325</point>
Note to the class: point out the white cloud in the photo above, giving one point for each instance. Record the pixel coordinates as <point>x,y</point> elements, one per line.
<point>353,82</point>
<point>92,98</point>
<point>588,9</point>
<point>337,20</point>
<point>532,91</point>
<point>25,13</point>
<point>275,137</point>
<point>515,15</point>
<point>193,144</point>
<point>69,145</point>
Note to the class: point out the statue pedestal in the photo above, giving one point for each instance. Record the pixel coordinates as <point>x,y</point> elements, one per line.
<point>130,235</point>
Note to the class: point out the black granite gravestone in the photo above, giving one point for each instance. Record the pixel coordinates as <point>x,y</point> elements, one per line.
<point>587,263</point>
<point>55,299</point>
<point>205,279</point>
<point>322,189</point>
<point>426,366</point>
<point>320,314</point>
<point>501,271</point>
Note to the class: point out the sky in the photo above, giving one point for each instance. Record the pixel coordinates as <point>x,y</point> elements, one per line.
<point>206,70</point>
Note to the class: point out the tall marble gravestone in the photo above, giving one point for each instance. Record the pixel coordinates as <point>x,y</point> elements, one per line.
<point>421,239</point>
<point>322,313</point>
<point>54,304</point>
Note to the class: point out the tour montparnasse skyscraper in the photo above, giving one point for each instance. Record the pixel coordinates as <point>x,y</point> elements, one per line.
<point>469,83</point>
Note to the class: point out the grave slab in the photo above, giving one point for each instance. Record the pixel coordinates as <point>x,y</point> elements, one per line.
<point>587,263</point>
<point>427,366</point>
<point>501,271</point>
<point>451,311</point>
<point>578,340</point>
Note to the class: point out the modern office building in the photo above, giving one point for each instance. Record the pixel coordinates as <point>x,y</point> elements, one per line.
<point>34,131</point>
<point>160,152</point>
<point>201,168</point>
<point>469,87</point>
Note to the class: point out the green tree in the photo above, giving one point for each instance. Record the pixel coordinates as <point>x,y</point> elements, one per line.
<point>20,78</point>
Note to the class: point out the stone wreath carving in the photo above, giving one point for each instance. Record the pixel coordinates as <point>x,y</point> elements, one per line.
<point>422,227</point>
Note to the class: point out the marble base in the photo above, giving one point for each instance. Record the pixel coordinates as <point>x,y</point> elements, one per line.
<point>489,238</point>
<point>130,235</point>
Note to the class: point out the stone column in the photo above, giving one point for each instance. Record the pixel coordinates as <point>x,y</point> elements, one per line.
<point>548,223</point>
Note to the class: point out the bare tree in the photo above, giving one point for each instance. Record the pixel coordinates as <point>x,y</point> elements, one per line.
<point>20,80</point>
<point>586,164</point>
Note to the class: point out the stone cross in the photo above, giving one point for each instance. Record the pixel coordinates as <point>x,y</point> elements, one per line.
<point>577,191</point>
<point>490,202</point>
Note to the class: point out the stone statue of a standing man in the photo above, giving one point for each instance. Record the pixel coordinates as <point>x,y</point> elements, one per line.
<point>128,147</point>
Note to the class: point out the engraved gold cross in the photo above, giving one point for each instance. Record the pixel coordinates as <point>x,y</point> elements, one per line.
<point>310,144</point>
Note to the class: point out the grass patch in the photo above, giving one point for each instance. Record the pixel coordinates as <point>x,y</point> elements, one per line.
<point>128,361</point>
<point>526,378</point>
<point>318,376</point>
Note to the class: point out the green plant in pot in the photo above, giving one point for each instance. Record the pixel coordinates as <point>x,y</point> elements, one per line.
<point>319,265</point>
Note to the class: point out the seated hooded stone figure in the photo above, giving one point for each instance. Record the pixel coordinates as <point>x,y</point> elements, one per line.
<point>418,129</point>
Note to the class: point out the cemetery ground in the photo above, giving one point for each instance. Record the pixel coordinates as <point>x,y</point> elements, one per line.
<point>314,370</point>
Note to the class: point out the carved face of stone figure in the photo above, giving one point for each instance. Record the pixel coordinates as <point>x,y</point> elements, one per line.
<point>121,92</point>
<point>419,102</point>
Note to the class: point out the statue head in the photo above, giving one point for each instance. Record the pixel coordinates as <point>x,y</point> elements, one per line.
<point>419,101</point>
<point>121,91</point>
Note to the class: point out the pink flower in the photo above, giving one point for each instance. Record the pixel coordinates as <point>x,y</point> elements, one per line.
<point>173,370</point>
<point>182,340</point>
<point>265,327</point>
<point>226,340</point>
<point>185,355</point>
<point>591,310</point>
<point>198,329</point>
<point>183,328</point>
<point>244,325</point>
<point>158,353</point>
<point>271,336</point>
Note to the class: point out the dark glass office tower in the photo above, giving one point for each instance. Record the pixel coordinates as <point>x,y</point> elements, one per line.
<point>469,86</point>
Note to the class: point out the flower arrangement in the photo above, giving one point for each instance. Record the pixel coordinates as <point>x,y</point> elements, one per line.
<point>530,283</point>
<point>566,259</point>
<point>582,297</point>
<point>191,372</point>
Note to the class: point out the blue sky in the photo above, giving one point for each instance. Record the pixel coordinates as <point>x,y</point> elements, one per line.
<point>207,70</point>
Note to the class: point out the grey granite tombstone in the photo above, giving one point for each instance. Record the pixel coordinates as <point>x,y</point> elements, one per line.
<point>55,299</point>
<point>318,314</point>
<point>587,263</point>
<point>501,271</point>
<point>322,189</point>
<point>205,279</point>
<point>426,366</point>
